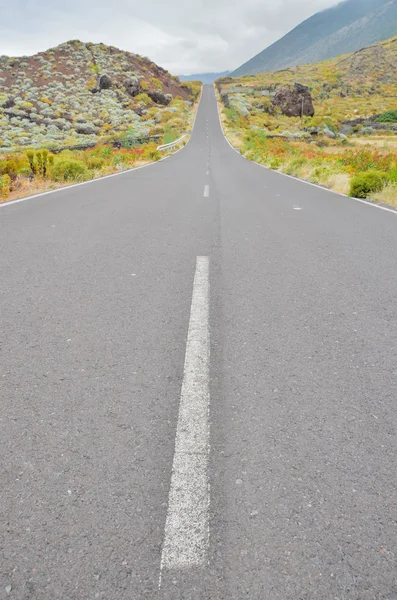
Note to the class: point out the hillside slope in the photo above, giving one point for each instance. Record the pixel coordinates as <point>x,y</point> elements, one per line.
<point>269,117</point>
<point>344,28</point>
<point>79,92</point>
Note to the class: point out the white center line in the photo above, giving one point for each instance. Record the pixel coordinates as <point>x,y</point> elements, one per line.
<point>206,191</point>
<point>186,536</point>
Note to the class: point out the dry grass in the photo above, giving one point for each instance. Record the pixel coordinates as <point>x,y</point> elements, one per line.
<point>29,188</point>
<point>339,182</point>
<point>385,143</point>
<point>38,185</point>
<point>387,196</point>
<point>234,138</point>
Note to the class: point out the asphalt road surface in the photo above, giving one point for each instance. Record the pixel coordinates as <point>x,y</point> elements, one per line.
<point>198,387</point>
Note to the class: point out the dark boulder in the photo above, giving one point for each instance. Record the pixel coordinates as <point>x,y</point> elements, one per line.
<point>158,97</point>
<point>133,86</point>
<point>294,102</point>
<point>10,103</point>
<point>105,83</point>
<point>225,98</point>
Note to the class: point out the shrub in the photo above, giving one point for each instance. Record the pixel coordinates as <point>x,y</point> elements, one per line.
<point>129,140</point>
<point>5,182</point>
<point>151,154</point>
<point>94,162</point>
<point>9,167</point>
<point>368,183</point>
<point>40,161</point>
<point>69,170</point>
<point>156,83</point>
<point>389,116</point>
<point>143,99</point>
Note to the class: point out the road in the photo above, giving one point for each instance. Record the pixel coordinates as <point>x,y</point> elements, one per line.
<point>198,386</point>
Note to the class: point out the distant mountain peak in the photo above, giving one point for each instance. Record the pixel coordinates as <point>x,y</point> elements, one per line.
<point>344,28</point>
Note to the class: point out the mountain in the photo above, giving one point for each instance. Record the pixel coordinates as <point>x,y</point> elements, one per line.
<point>79,92</point>
<point>344,28</point>
<point>204,77</point>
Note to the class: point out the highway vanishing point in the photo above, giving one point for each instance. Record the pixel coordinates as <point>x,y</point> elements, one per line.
<point>198,386</point>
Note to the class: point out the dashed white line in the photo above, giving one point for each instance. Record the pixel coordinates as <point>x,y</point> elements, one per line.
<point>186,536</point>
<point>206,191</point>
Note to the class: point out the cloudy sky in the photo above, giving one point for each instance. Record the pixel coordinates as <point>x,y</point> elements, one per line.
<point>184,36</point>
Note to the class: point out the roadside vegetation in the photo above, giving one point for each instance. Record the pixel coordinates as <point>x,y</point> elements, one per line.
<point>81,111</point>
<point>26,171</point>
<point>349,144</point>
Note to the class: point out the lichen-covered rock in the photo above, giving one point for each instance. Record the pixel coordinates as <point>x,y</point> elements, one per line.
<point>105,83</point>
<point>225,98</point>
<point>329,133</point>
<point>294,101</point>
<point>133,86</point>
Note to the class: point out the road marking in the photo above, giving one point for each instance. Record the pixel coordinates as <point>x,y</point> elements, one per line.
<point>186,537</point>
<point>297,208</point>
<point>207,172</point>
<point>206,191</point>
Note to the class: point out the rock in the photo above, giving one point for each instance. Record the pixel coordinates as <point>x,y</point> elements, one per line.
<point>342,136</point>
<point>8,589</point>
<point>346,130</point>
<point>368,131</point>
<point>225,98</point>
<point>94,90</point>
<point>314,130</point>
<point>329,133</point>
<point>294,102</point>
<point>85,129</point>
<point>287,134</point>
<point>10,103</point>
<point>105,83</point>
<point>133,86</point>
<point>158,97</point>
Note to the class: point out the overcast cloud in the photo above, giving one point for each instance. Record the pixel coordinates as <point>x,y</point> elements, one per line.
<point>184,36</point>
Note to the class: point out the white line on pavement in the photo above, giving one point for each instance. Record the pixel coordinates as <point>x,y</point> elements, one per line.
<point>206,191</point>
<point>186,536</point>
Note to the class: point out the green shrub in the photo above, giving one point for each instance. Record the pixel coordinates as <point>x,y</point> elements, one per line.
<point>293,167</point>
<point>40,161</point>
<point>129,140</point>
<point>389,116</point>
<point>94,162</point>
<point>368,183</point>
<point>67,169</point>
<point>5,182</point>
<point>151,154</point>
<point>143,99</point>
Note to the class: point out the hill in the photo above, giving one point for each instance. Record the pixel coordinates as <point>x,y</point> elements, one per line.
<point>204,77</point>
<point>77,93</point>
<point>327,122</point>
<point>349,26</point>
